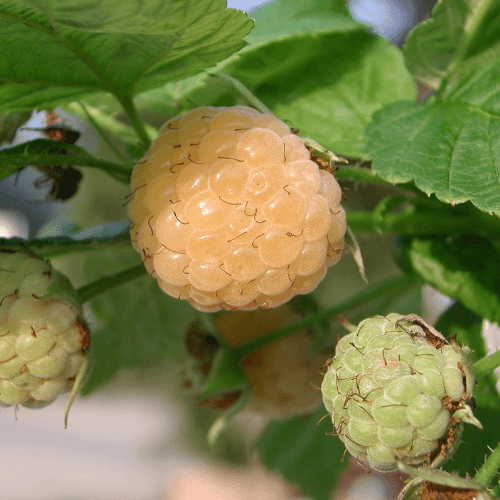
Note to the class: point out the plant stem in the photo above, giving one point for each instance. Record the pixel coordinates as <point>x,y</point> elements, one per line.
<point>244,91</point>
<point>365,295</point>
<point>486,473</point>
<point>132,114</point>
<point>412,223</point>
<point>63,245</point>
<point>360,174</point>
<point>366,175</point>
<point>487,364</point>
<point>102,285</point>
<point>33,160</point>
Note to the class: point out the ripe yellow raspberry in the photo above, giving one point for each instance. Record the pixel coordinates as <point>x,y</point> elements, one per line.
<point>229,211</point>
<point>283,376</point>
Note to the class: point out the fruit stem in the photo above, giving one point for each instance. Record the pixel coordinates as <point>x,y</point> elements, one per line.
<point>91,290</point>
<point>245,92</point>
<point>364,295</point>
<point>490,467</point>
<point>486,365</point>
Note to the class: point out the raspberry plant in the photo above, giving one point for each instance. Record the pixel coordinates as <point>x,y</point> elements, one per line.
<point>176,83</point>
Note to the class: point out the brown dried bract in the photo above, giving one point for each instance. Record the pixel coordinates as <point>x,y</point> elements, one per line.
<point>433,337</point>
<point>200,344</point>
<point>320,160</point>
<point>446,442</point>
<point>84,334</point>
<point>433,491</point>
<point>447,403</point>
<point>220,401</point>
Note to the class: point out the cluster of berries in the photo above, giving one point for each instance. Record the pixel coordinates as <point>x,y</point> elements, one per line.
<point>230,210</point>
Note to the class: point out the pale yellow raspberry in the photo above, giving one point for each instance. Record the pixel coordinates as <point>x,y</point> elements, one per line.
<point>229,211</point>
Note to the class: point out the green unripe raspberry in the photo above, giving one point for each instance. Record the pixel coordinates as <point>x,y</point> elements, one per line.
<point>393,388</point>
<point>42,338</point>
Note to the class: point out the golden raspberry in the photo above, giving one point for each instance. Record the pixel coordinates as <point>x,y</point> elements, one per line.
<point>283,376</point>
<point>230,212</point>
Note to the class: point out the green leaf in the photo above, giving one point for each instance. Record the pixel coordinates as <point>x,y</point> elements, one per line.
<point>438,476</point>
<point>156,105</point>
<point>283,19</point>
<point>43,146</point>
<point>465,268</point>
<point>303,454</point>
<point>458,29</point>
<point>55,51</point>
<point>451,149</point>
<point>10,122</point>
<point>327,84</point>
<point>133,324</point>
<point>477,83</point>
<point>22,155</point>
<point>225,374</point>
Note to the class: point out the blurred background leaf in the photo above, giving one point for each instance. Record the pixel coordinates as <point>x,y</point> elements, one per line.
<point>465,268</point>
<point>300,451</point>
<point>133,324</point>
<point>457,30</point>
